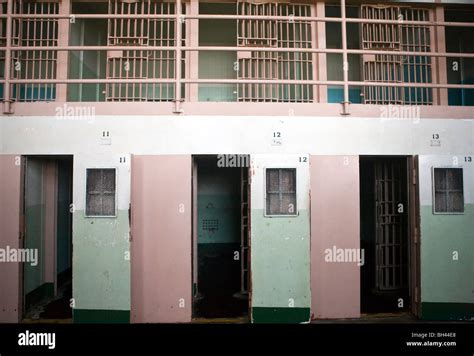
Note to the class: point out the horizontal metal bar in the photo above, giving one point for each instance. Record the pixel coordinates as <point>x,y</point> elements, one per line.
<point>91,81</point>
<point>238,81</point>
<point>237,49</point>
<point>240,17</point>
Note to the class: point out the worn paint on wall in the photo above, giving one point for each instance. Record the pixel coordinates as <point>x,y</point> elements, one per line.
<point>10,186</point>
<point>101,264</point>
<point>280,247</point>
<point>335,286</point>
<point>161,244</point>
<point>445,279</point>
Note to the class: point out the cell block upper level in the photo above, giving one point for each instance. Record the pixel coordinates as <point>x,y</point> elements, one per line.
<point>298,52</point>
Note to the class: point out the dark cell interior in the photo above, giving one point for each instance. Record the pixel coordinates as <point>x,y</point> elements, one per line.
<point>219,241</point>
<point>384,232</point>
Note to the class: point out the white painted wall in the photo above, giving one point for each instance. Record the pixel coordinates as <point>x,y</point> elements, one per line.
<point>230,134</point>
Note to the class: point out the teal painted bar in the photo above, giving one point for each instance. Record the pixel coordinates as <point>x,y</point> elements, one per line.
<point>101,272</point>
<point>447,311</point>
<point>85,316</point>
<point>280,315</point>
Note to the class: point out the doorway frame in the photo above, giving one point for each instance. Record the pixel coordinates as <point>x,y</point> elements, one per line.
<point>22,218</point>
<point>413,221</point>
<point>194,232</point>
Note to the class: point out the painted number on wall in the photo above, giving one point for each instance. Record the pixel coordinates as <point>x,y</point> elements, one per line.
<point>468,159</point>
<point>303,159</point>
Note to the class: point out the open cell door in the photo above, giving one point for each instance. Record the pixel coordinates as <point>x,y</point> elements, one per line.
<point>11,213</point>
<point>415,267</point>
<point>279,238</point>
<point>161,238</point>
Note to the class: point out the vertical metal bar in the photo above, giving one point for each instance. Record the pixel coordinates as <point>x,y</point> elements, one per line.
<point>178,27</point>
<point>8,57</point>
<point>345,63</point>
<point>193,57</point>
<point>320,66</point>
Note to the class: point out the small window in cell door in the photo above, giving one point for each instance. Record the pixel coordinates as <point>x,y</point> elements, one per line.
<point>100,192</point>
<point>280,191</point>
<point>448,191</point>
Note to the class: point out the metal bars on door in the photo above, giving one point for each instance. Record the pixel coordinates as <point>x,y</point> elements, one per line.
<point>391,225</point>
<point>288,33</point>
<point>244,232</point>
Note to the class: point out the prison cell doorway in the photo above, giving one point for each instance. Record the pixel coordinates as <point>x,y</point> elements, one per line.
<point>47,238</point>
<point>387,220</point>
<point>221,262</point>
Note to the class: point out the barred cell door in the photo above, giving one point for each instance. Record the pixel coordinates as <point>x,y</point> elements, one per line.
<point>391,239</point>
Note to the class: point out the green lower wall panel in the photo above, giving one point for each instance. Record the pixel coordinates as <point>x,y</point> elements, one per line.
<point>44,291</point>
<point>84,316</point>
<point>280,250</point>
<point>444,278</point>
<point>280,315</point>
<point>447,311</point>
<point>101,269</point>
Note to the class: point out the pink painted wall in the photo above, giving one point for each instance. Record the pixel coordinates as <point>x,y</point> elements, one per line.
<point>10,188</point>
<point>50,196</point>
<point>161,239</point>
<point>335,287</point>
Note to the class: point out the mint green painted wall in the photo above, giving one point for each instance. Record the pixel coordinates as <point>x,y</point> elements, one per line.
<point>280,252</point>
<point>219,199</point>
<point>101,274</point>
<point>35,220</point>
<point>444,280</point>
